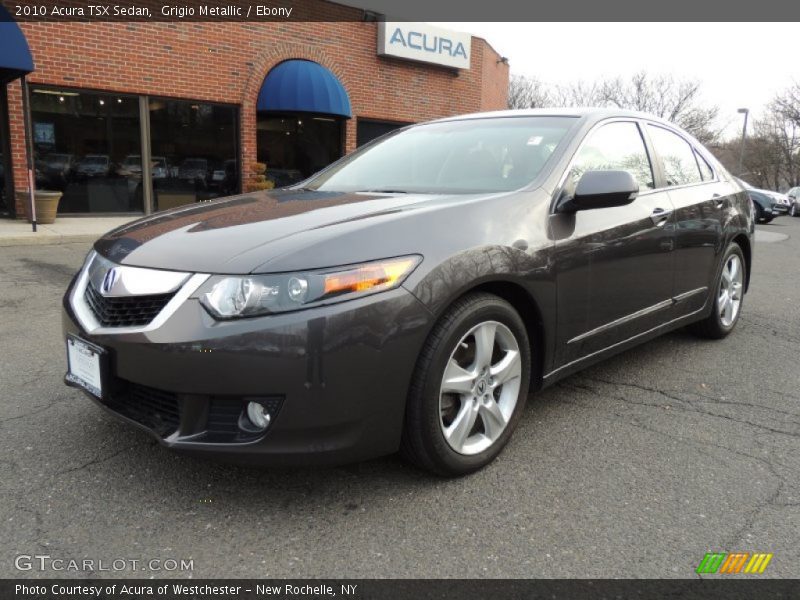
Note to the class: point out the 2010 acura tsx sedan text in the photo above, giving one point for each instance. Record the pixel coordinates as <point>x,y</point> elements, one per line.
<point>412,294</point>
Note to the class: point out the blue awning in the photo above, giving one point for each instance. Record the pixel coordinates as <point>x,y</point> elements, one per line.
<point>15,56</point>
<point>303,86</point>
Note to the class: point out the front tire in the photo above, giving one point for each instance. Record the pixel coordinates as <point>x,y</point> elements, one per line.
<point>469,387</point>
<point>727,298</point>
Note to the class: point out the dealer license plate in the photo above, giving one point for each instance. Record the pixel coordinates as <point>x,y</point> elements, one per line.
<point>83,359</point>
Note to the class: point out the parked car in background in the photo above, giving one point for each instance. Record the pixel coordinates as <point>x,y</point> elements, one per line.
<point>781,199</point>
<point>57,169</point>
<point>196,170</point>
<point>132,166</point>
<point>766,206</point>
<point>410,295</point>
<point>93,165</point>
<point>225,177</point>
<point>794,199</point>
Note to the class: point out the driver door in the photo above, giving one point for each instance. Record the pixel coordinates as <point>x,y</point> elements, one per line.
<point>614,266</point>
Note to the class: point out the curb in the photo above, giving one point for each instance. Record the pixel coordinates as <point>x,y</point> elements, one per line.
<point>38,239</point>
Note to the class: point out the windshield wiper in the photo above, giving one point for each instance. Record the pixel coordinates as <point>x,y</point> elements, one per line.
<point>382,191</point>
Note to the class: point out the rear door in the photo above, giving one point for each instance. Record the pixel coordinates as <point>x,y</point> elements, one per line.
<point>613,265</point>
<point>700,199</point>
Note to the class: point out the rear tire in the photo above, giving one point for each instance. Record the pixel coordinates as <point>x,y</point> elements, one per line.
<point>727,297</point>
<point>469,388</point>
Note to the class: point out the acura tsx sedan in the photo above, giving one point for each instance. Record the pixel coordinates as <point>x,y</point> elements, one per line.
<point>411,295</point>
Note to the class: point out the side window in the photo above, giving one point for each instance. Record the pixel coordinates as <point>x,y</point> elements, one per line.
<point>615,147</point>
<point>680,166</point>
<point>705,169</point>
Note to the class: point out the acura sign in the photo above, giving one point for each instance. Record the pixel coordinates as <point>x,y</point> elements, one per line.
<point>424,43</point>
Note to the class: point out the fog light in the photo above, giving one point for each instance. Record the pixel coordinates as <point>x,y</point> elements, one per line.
<point>258,415</point>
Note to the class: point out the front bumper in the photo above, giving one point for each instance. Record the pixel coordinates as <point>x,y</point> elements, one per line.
<point>337,376</point>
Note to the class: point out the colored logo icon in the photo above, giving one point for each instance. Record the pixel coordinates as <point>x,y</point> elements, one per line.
<point>733,563</point>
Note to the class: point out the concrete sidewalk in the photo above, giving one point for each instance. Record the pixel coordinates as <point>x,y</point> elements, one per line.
<point>65,229</point>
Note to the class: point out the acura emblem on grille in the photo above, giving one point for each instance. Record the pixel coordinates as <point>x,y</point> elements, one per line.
<point>109,280</point>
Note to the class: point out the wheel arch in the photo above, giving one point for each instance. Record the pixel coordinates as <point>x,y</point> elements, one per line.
<point>743,242</point>
<point>528,309</point>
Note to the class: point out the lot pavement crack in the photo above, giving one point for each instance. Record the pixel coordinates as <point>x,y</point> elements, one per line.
<point>98,460</point>
<point>39,408</point>
<point>686,405</point>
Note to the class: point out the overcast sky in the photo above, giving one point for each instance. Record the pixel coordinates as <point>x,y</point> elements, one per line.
<point>739,64</point>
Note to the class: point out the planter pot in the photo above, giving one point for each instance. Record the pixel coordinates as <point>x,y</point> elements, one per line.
<point>46,205</point>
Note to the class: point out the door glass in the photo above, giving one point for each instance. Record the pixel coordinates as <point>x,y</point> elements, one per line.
<point>296,147</point>
<point>677,156</point>
<point>87,145</point>
<point>193,148</point>
<point>615,147</point>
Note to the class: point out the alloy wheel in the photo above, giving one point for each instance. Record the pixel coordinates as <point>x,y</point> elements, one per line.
<point>480,387</point>
<point>730,290</point>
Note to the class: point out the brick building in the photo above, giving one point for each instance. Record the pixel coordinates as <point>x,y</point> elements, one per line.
<point>190,106</point>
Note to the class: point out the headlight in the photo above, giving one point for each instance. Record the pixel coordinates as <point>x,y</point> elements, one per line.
<point>252,295</point>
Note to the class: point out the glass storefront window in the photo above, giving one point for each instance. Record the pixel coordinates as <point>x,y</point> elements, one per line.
<point>295,147</point>
<point>88,145</point>
<point>6,199</point>
<point>367,129</point>
<point>194,149</point>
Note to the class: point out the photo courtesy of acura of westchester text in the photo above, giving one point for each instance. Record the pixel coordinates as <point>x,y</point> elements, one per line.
<point>352,298</point>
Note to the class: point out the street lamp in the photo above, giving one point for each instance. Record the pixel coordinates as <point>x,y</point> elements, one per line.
<point>745,112</point>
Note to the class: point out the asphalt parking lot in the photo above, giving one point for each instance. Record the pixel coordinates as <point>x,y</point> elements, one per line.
<point>634,468</point>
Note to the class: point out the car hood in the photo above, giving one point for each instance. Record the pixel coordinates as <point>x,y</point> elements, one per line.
<point>251,232</point>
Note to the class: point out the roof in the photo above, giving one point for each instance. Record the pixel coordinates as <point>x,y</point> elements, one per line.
<point>592,113</point>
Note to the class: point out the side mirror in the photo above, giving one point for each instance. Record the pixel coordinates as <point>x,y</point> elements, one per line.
<point>601,189</point>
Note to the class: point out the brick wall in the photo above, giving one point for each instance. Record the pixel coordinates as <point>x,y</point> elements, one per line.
<point>227,62</point>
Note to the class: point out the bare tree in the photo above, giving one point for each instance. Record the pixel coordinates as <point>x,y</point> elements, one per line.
<point>678,101</point>
<point>772,150</point>
<point>528,92</point>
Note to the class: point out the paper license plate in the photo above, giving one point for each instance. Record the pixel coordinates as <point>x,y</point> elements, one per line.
<point>83,359</point>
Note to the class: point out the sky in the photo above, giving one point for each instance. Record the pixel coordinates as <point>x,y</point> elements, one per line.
<point>738,64</point>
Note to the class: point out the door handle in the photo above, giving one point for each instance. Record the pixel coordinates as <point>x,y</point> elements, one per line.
<point>719,201</point>
<point>660,216</point>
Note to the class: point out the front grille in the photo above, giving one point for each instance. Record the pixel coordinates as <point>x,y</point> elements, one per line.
<point>155,409</point>
<point>128,311</point>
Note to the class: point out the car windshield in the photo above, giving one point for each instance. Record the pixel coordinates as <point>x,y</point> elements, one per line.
<point>472,155</point>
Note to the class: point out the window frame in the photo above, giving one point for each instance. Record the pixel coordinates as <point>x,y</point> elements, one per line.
<point>639,123</point>
<point>662,179</point>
